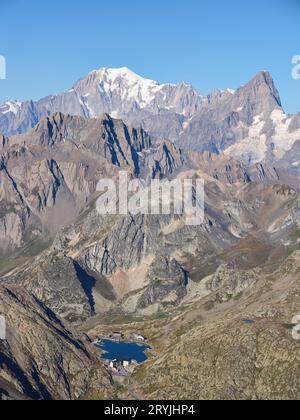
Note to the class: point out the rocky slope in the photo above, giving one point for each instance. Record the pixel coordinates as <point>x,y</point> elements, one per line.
<point>48,174</point>
<point>145,264</point>
<point>232,340</point>
<point>42,358</point>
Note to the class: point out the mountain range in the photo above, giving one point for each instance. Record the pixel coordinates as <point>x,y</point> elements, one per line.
<point>67,269</point>
<point>248,123</point>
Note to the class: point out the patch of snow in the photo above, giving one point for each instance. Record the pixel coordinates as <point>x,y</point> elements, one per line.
<point>249,150</point>
<point>80,99</point>
<point>129,85</point>
<point>89,109</point>
<point>281,224</point>
<point>115,114</point>
<point>253,148</point>
<point>187,123</point>
<point>283,139</point>
<point>85,105</point>
<point>11,107</point>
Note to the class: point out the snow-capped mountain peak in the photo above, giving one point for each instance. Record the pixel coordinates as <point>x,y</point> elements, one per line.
<point>123,94</point>
<point>248,123</point>
<point>120,82</point>
<point>130,85</point>
<point>118,92</point>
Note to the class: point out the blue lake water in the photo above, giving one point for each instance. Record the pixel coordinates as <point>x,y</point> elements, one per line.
<point>122,350</point>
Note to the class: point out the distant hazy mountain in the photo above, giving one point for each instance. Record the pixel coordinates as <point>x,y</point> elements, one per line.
<point>248,123</point>
<point>118,92</point>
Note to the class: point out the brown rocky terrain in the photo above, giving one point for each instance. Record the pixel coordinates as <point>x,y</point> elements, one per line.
<point>230,339</point>
<point>42,358</point>
<point>63,264</point>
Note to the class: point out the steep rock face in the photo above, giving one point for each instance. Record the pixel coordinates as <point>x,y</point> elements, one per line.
<point>58,282</point>
<point>123,247</point>
<point>167,160</point>
<point>167,284</point>
<point>68,287</point>
<point>227,169</point>
<point>231,117</point>
<point>48,174</point>
<point>41,358</point>
<point>33,194</point>
<point>3,141</point>
<point>11,231</point>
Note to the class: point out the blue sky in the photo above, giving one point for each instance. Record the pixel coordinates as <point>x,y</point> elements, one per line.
<point>211,44</point>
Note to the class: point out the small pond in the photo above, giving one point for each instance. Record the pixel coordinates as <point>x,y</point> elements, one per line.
<point>123,350</point>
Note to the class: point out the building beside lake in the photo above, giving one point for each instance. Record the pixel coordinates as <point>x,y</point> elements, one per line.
<point>117,336</point>
<point>139,337</point>
<point>122,363</point>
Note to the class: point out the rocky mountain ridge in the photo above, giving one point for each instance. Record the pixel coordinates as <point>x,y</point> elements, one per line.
<point>248,123</point>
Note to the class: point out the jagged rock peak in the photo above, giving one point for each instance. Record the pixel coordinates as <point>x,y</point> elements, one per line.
<point>263,86</point>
